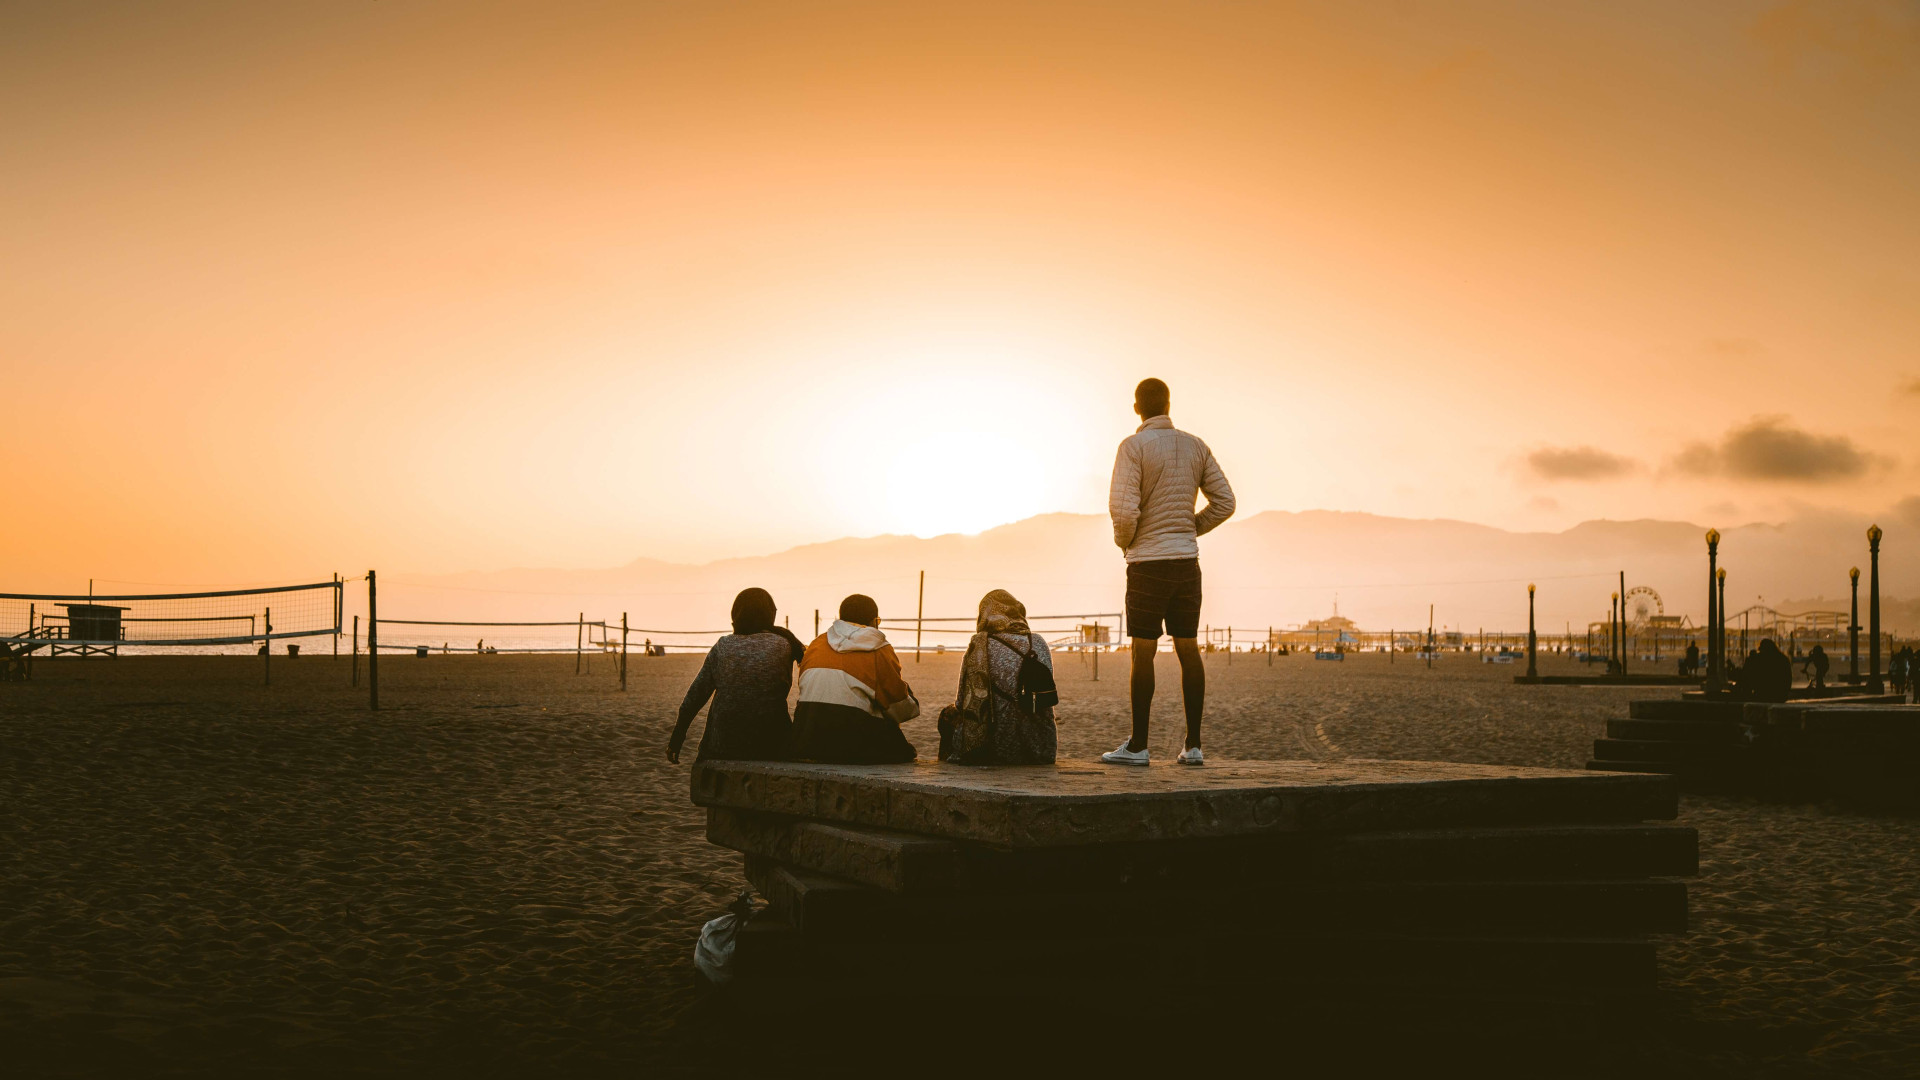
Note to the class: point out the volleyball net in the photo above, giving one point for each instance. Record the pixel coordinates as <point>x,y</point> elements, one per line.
<point>1089,631</point>
<point>426,637</point>
<point>57,624</point>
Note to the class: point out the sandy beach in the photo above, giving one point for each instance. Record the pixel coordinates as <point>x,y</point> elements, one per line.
<point>501,873</point>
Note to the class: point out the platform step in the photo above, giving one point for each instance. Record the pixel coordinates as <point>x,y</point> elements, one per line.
<point>830,908</point>
<point>1083,803</point>
<point>1668,768</point>
<point>903,862</point>
<point>1686,709</point>
<point>1259,952</point>
<point>1680,753</point>
<point>1676,730</point>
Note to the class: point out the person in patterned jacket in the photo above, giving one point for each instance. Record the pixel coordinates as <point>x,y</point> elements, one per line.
<point>852,696</point>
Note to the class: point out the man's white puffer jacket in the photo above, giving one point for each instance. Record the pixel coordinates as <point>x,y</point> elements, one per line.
<point>1157,478</point>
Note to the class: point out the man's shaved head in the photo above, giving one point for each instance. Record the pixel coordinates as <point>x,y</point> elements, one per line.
<point>1151,398</point>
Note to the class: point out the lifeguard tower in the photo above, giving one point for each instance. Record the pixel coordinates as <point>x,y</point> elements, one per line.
<point>90,630</point>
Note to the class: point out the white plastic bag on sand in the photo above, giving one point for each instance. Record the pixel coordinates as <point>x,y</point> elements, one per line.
<point>713,953</point>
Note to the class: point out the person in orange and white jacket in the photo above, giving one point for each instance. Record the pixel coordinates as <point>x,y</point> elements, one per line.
<point>852,697</point>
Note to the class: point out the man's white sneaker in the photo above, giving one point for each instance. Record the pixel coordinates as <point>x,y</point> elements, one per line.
<point>1191,756</point>
<point>1124,756</point>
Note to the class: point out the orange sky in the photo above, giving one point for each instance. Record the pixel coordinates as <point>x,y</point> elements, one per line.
<point>295,288</point>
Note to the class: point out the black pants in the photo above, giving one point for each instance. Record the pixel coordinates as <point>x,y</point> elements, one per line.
<point>844,735</point>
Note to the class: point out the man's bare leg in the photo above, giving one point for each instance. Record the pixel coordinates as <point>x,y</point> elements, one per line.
<point>1141,686</point>
<point>1193,687</point>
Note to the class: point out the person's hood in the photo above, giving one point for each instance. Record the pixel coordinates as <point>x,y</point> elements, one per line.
<point>844,636</point>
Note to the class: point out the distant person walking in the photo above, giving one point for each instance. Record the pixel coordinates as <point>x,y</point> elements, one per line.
<point>1158,477</point>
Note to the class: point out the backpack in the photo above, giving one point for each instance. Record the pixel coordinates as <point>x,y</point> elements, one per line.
<point>966,735</point>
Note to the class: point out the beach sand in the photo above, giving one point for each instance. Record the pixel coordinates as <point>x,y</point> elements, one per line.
<point>500,872</point>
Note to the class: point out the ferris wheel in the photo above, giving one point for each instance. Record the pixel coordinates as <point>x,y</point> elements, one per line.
<point>1642,604</point>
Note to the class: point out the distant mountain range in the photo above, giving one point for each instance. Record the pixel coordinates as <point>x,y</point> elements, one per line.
<point>1275,568</point>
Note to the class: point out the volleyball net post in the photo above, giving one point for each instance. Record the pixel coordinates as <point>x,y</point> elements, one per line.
<point>373,644</point>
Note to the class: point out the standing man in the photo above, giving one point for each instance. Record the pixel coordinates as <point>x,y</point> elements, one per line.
<point>1157,479</point>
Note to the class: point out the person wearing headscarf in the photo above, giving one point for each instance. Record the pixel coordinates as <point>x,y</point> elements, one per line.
<point>747,674</point>
<point>1004,711</point>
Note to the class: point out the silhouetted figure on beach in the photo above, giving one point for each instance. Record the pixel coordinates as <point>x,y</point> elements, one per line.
<point>1003,713</point>
<point>1900,669</point>
<point>747,674</point>
<point>1818,663</point>
<point>1766,676</point>
<point>853,697</point>
<point>1690,663</point>
<point>1158,477</point>
<point>13,663</point>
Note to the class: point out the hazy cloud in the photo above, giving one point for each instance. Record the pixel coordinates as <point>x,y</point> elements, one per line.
<point>1577,463</point>
<point>1736,348</point>
<point>1770,448</point>
<point>1911,388</point>
<point>1907,510</point>
<point>1876,38</point>
<point>1543,502</point>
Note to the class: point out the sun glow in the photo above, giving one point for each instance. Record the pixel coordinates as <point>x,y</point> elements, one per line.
<point>961,443</point>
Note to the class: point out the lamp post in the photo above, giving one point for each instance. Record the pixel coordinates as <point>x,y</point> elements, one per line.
<point>1613,634</point>
<point>1532,642</point>
<point>1623,622</point>
<point>1715,680</point>
<point>1853,630</point>
<point>1722,610</point>
<point>1874,685</point>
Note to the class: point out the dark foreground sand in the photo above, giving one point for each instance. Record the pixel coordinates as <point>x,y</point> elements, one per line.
<point>500,873</point>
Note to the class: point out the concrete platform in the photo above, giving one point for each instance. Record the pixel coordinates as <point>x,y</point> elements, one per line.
<point>905,863</point>
<point>1861,749</point>
<point>1038,807</point>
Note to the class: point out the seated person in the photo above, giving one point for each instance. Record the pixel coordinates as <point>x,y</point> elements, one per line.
<point>1766,676</point>
<point>1004,712</point>
<point>747,674</point>
<point>852,697</point>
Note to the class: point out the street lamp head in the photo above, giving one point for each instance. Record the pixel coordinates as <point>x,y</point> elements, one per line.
<point>1873,534</point>
<point>1855,575</point>
<point>1529,588</point>
<point>1713,536</point>
<point>1723,575</point>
